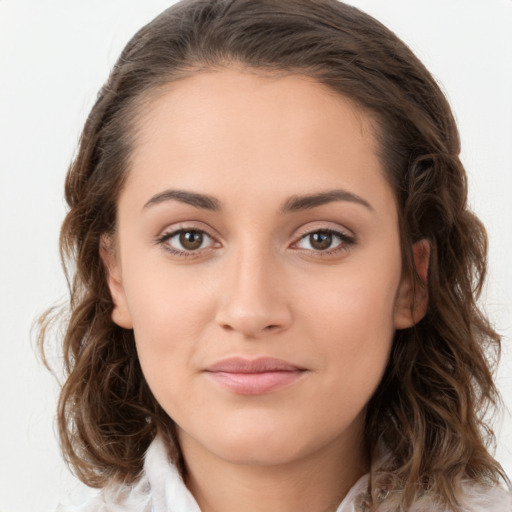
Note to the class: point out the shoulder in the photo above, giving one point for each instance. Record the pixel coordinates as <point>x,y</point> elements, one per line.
<point>118,498</point>
<point>475,498</point>
<point>159,486</point>
<point>479,498</point>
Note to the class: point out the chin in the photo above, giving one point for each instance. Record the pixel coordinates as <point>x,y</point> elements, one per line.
<point>261,451</point>
<point>263,443</point>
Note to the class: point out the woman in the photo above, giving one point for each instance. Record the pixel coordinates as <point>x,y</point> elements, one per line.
<point>274,301</point>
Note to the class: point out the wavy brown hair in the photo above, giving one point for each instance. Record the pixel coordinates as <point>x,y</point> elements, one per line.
<point>430,408</point>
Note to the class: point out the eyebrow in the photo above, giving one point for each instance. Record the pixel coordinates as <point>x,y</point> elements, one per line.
<point>202,201</point>
<point>299,203</point>
<point>293,204</point>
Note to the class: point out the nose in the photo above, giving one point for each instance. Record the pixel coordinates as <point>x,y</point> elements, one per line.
<point>253,300</point>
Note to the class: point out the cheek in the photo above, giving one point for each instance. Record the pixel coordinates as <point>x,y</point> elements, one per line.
<point>360,301</point>
<point>169,310</point>
<point>351,315</point>
<point>164,298</point>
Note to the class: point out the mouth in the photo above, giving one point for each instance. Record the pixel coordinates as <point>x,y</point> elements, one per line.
<point>254,377</point>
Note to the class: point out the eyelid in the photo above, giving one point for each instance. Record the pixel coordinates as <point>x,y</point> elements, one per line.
<point>191,224</point>
<point>324,226</point>
<point>347,238</point>
<point>170,231</point>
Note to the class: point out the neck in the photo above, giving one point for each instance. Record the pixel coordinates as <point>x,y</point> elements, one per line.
<point>317,482</point>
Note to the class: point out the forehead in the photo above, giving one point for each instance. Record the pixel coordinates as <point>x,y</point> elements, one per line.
<point>211,99</point>
<point>237,127</point>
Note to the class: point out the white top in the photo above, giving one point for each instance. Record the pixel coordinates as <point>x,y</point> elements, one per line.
<point>161,489</point>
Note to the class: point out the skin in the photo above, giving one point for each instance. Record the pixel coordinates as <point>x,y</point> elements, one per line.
<point>258,285</point>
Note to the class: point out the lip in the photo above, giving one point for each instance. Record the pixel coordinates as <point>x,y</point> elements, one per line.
<point>254,376</point>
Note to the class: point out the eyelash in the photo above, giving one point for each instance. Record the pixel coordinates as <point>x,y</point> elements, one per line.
<point>166,236</point>
<point>345,242</point>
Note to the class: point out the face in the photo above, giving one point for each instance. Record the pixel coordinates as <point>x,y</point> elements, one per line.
<point>257,259</point>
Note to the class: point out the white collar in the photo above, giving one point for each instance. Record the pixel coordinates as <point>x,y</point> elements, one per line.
<point>169,493</point>
<point>161,489</point>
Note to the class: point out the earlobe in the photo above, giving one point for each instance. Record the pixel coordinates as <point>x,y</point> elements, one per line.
<point>120,313</point>
<point>412,298</point>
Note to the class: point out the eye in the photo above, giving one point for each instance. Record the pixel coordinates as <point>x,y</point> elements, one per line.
<point>185,241</point>
<point>325,241</point>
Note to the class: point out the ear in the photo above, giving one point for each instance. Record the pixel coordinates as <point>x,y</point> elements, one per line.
<point>120,313</point>
<point>412,298</point>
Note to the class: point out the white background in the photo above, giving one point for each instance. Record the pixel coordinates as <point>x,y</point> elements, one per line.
<point>54,56</point>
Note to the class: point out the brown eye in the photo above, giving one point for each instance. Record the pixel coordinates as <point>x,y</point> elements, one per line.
<point>325,241</point>
<point>186,241</point>
<point>191,240</point>
<point>321,240</point>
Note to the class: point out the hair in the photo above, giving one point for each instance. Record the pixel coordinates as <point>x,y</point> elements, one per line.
<point>431,409</point>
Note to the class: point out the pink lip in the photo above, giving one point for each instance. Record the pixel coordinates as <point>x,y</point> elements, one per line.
<point>254,377</point>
